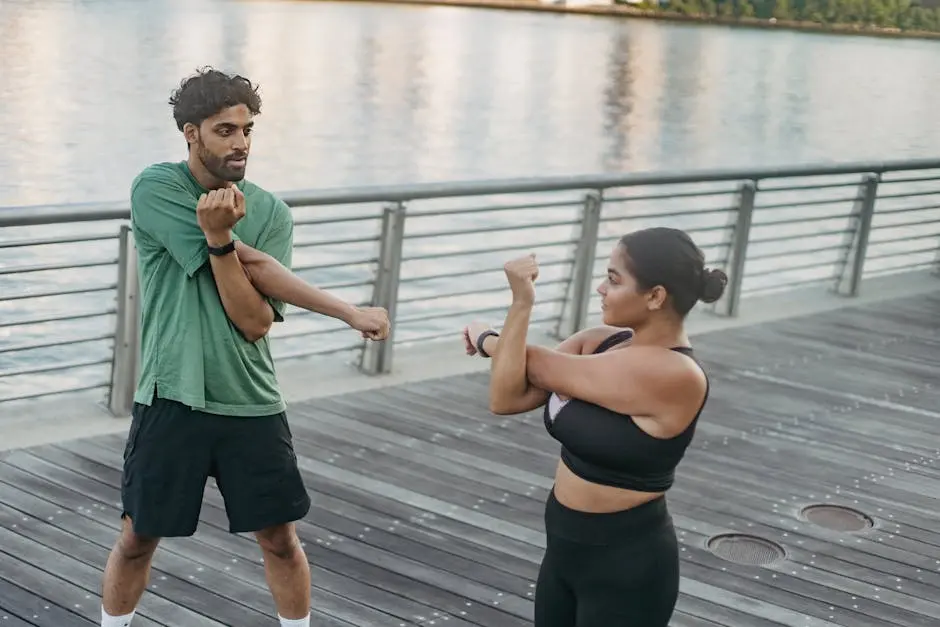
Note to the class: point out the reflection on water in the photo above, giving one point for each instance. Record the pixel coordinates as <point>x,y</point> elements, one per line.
<point>363,94</point>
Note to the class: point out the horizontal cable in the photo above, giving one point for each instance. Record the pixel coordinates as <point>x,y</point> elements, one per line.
<point>800,221</point>
<point>888,212</point>
<point>671,214</point>
<point>465,312</point>
<point>902,253</point>
<point>904,225</point>
<point>910,180</point>
<point>37,345</point>
<point>49,241</point>
<point>492,229</point>
<point>782,269</point>
<point>474,292</point>
<point>792,253</point>
<point>70,365</point>
<point>450,275</point>
<point>33,395</point>
<point>337,242</point>
<point>616,238</point>
<point>66,318</point>
<point>670,196</point>
<point>483,251</point>
<point>692,230</point>
<point>785,284</point>
<point>805,203</point>
<point>454,212</point>
<point>445,334</point>
<point>908,194</point>
<point>78,290</point>
<point>812,186</point>
<point>340,285</point>
<point>57,266</point>
<point>787,238</point>
<point>328,351</point>
<point>314,221</point>
<point>338,264</point>
<point>925,265</point>
<point>904,238</point>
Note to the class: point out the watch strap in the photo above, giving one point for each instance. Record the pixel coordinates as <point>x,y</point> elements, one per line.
<point>482,337</point>
<point>222,250</point>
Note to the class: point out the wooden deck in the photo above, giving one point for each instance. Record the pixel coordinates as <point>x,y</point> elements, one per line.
<point>428,510</point>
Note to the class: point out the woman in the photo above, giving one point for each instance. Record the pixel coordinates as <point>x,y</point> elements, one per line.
<point>623,400</point>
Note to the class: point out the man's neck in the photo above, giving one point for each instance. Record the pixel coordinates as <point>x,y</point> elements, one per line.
<point>202,175</point>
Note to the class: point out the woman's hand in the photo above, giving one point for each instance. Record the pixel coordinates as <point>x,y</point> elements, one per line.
<point>471,333</point>
<point>522,273</point>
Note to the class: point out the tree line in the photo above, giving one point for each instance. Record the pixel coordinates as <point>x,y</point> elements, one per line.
<point>901,15</point>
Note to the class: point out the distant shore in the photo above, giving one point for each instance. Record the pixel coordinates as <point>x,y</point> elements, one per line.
<point>625,11</point>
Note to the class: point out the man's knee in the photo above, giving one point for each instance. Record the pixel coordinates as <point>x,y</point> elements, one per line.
<point>280,541</point>
<point>133,546</point>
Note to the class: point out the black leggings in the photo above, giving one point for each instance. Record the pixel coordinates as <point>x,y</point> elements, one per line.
<point>608,570</point>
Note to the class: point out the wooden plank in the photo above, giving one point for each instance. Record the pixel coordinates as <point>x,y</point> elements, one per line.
<point>21,608</point>
<point>434,573</point>
<point>428,509</point>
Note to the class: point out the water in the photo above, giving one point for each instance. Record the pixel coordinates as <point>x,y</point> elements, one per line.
<point>364,94</point>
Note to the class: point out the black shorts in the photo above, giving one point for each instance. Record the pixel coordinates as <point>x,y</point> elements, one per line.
<point>172,450</point>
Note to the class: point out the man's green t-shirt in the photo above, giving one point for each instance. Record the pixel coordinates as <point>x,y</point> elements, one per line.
<point>190,351</point>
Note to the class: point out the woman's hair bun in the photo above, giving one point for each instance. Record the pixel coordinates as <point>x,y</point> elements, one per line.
<point>714,282</point>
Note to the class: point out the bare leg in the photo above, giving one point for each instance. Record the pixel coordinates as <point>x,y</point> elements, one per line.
<point>286,569</point>
<point>128,571</point>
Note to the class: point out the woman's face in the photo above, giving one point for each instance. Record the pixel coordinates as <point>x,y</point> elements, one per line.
<point>623,302</point>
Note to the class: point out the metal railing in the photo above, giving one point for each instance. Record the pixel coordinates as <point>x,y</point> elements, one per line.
<point>433,254</point>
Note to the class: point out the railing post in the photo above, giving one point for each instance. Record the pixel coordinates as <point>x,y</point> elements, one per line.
<point>125,360</point>
<point>575,310</point>
<point>739,241</point>
<point>849,276</point>
<point>377,356</point>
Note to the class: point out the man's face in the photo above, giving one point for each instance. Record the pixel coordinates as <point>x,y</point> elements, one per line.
<point>223,141</point>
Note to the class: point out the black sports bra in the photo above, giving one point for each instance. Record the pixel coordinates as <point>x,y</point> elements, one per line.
<point>609,448</point>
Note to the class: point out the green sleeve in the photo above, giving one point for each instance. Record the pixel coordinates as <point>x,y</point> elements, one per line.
<point>163,211</point>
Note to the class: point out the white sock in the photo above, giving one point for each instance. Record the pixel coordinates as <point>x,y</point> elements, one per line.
<point>294,622</point>
<point>116,621</point>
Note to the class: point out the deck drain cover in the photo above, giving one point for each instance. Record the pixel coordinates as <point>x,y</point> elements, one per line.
<point>745,549</point>
<point>837,518</point>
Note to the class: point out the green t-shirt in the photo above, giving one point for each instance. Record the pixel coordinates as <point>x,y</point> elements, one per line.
<point>190,351</point>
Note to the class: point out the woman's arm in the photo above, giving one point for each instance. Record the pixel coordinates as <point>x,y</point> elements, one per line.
<point>584,341</point>
<point>510,391</point>
<point>640,380</point>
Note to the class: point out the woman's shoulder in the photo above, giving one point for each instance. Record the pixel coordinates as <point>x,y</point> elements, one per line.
<point>592,338</point>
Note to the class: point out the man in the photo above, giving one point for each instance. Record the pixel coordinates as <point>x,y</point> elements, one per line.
<point>213,254</point>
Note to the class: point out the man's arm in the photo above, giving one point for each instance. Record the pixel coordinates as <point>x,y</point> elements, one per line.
<point>246,308</point>
<point>280,284</point>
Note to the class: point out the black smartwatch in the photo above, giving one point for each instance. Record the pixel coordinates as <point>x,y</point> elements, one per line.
<point>219,251</point>
<point>482,337</point>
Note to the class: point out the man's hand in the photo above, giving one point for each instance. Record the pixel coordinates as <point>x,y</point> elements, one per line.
<point>219,211</point>
<point>372,322</point>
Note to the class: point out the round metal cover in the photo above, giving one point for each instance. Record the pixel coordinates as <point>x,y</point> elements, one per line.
<point>745,549</point>
<point>837,518</point>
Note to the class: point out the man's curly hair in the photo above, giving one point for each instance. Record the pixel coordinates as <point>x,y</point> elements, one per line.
<point>209,91</point>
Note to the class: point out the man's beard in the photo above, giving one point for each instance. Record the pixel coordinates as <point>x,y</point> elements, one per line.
<point>219,166</point>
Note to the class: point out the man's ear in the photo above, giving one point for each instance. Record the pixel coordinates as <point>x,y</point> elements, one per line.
<point>191,133</point>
